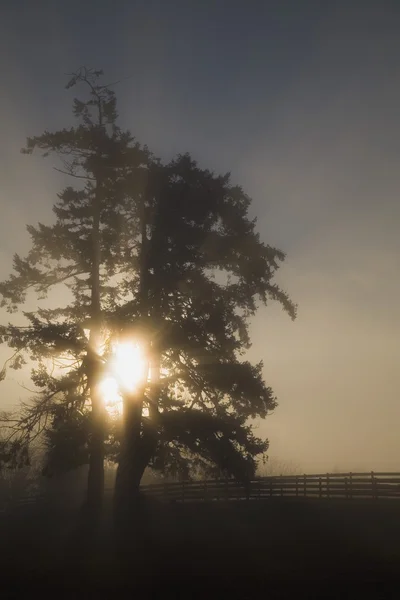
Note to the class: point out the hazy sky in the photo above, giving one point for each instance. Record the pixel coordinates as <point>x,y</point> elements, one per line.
<point>300,101</point>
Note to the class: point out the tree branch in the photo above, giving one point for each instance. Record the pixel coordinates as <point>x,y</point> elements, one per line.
<point>75,175</point>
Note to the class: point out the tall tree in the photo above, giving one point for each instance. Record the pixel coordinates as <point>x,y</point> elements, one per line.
<point>165,255</point>
<point>202,270</point>
<point>80,252</point>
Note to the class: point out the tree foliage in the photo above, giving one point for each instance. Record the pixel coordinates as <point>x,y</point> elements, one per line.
<point>181,269</point>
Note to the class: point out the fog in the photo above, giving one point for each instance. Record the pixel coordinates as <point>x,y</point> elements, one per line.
<point>302,109</point>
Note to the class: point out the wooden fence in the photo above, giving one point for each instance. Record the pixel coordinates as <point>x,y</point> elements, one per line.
<point>324,486</point>
<point>327,485</point>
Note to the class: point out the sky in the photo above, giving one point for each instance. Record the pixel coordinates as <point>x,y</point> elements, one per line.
<point>300,102</point>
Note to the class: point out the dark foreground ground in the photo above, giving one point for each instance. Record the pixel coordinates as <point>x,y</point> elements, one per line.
<point>281,548</point>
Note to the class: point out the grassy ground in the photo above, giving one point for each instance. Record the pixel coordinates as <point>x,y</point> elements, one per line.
<point>281,547</point>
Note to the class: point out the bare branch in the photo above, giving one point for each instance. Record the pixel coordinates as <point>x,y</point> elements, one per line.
<point>75,175</point>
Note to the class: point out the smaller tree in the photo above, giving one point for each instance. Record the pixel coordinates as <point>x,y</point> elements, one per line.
<point>20,475</point>
<point>272,466</point>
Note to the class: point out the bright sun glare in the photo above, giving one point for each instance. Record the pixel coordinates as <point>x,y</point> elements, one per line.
<point>128,369</point>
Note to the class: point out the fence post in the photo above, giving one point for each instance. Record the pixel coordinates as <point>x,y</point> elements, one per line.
<point>374,487</point>
<point>281,486</point>
<point>305,484</point>
<point>297,486</point>
<point>259,488</point>
<point>327,486</point>
<point>270,487</point>
<point>351,485</point>
<point>320,487</point>
<point>346,488</point>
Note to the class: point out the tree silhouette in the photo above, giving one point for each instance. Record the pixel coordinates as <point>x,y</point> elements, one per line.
<point>77,251</point>
<point>164,254</point>
<point>202,268</point>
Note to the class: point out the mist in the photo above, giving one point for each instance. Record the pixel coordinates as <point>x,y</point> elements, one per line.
<point>304,115</point>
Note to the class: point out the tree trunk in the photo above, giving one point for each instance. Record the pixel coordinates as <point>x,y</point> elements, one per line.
<point>130,465</point>
<point>139,438</point>
<point>137,448</point>
<point>128,472</point>
<point>95,490</point>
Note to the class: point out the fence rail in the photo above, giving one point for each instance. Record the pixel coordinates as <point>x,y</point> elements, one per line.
<point>329,485</point>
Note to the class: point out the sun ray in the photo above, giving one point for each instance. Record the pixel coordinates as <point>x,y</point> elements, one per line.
<point>111,396</point>
<point>127,369</point>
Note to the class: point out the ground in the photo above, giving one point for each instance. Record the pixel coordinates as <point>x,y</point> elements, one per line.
<point>277,548</point>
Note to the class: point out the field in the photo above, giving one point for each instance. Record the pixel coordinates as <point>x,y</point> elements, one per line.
<point>278,547</point>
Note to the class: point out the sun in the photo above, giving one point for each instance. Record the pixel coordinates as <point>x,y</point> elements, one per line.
<point>127,369</point>
<point>128,365</point>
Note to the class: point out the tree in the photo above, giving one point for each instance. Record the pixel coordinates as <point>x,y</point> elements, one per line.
<point>202,270</point>
<point>19,479</point>
<point>274,466</point>
<point>176,265</point>
<point>78,251</point>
